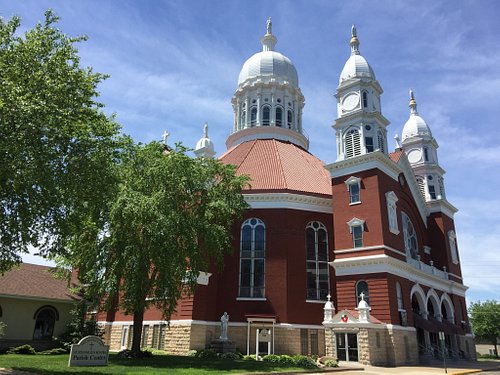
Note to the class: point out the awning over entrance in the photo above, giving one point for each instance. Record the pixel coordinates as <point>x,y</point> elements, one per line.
<point>257,322</point>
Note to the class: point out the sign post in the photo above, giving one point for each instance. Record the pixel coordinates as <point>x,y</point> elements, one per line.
<point>442,340</point>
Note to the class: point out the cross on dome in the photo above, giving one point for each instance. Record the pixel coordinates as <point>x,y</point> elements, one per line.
<point>165,137</point>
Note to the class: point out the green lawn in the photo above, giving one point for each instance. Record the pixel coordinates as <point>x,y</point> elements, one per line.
<point>159,364</point>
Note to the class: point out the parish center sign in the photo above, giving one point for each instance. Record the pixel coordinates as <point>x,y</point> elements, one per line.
<point>90,351</point>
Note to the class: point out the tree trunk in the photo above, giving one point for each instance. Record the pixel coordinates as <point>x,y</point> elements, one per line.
<point>136,339</point>
<point>496,350</point>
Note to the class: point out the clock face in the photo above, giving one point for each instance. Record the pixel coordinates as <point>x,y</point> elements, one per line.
<point>414,156</point>
<point>350,101</point>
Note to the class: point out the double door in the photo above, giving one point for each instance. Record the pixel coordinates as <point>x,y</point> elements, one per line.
<point>347,347</point>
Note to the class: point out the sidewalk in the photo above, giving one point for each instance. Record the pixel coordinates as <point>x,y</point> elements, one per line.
<point>454,368</point>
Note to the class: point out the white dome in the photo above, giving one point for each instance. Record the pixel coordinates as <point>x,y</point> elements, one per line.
<point>416,127</point>
<point>356,67</point>
<point>269,65</point>
<point>204,143</point>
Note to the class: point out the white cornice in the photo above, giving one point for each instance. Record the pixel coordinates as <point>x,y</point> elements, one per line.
<point>442,205</point>
<point>372,160</point>
<point>368,248</point>
<point>386,264</point>
<point>360,117</point>
<point>267,132</point>
<point>289,201</point>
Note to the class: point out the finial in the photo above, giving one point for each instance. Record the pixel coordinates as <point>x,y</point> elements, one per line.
<point>362,295</point>
<point>328,297</point>
<point>269,40</point>
<point>165,137</point>
<point>205,130</point>
<point>354,41</point>
<point>413,104</point>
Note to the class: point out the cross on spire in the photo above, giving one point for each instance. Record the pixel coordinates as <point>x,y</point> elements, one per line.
<point>165,137</point>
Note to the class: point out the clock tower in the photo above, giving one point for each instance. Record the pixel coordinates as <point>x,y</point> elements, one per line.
<point>360,127</point>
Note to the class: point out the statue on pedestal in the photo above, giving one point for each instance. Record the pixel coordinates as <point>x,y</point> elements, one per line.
<point>224,319</point>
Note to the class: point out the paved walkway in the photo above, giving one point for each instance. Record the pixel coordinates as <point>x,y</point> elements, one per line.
<point>455,368</point>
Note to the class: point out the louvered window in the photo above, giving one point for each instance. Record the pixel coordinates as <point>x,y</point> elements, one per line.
<point>352,143</point>
<point>266,115</point>
<point>421,186</point>
<point>381,145</point>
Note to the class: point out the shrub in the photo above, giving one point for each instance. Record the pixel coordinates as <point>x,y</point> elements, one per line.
<point>2,329</point>
<point>192,353</point>
<point>207,353</point>
<point>331,363</point>
<point>249,357</point>
<point>23,349</point>
<point>286,360</point>
<point>54,351</point>
<point>126,353</point>
<point>230,356</point>
<point>304,361</point>
<point>271,358</point>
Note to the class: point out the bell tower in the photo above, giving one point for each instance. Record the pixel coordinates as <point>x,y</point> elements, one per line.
<point>360,127</point>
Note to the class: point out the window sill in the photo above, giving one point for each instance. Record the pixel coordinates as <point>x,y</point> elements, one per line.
<point>394,231</point>
<point>250,299</point>
<point>354,203</point>
<point>315,301</point>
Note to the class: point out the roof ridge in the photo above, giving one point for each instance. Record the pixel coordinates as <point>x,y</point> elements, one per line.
<point>283,175</point>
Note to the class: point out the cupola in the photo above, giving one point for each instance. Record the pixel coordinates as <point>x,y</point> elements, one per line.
<point>205,146</point>
<point>268,102</point>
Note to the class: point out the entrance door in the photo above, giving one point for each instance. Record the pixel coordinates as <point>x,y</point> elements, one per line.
<point>347,347</point>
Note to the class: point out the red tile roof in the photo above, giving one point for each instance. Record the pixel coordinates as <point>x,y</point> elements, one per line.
<point>278,165</point>
<point>34,281</point>
<point>396,155</point>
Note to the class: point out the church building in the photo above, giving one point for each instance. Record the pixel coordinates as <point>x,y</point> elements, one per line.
<point>356,259</point>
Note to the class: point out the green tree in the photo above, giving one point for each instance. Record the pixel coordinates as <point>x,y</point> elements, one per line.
<point>2,329</point>
<point>56,144</point>
<point>485,320</point>
<point>170,219</point>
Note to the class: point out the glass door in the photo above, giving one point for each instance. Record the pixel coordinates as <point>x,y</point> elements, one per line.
<point>347,347</point>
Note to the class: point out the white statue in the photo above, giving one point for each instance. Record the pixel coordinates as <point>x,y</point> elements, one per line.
<point>224,319</point>
<point>269,26</point>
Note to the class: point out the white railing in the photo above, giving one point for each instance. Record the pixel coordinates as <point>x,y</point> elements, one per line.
<point>429,269</point>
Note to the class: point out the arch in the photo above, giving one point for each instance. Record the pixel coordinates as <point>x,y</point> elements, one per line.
<point>289,118</point>
<point>362,287</point>
<point>266,115</point>
<point>253,116</point>
<point>318,283</point>
<point>447,308</point>
<point>252,258</point>
<point>417,296</point>
<point>433,304</point>
<point>45,317</point>
<point>279,116</point>
<point>352,142</point>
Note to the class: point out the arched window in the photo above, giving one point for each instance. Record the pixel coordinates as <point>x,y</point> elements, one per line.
<point>426,154</point>
<point>410,237</point>
<point>290,119</point>
<point>352,143</point>
<point>46,317</point>
<point>399,296</point>
<point>253,116</point>
<point>266,115</point>
<point>252,258</point>
<point>452,239</point>
<point>365,99</point>
<point>380,138</point>
<point>279,116</point>
<point>317,261</point>
<point>362,287</point>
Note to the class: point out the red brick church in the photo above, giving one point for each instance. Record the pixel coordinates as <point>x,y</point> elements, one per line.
<point>355,259</point>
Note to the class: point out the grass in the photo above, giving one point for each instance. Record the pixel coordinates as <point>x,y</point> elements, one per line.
<point>168,364</point>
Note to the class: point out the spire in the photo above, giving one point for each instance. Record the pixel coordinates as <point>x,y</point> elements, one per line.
<point>269,40</point>
<point>413,104</point>
<point>165,137</point>
<point>354,41</point>
<point>205,130</point>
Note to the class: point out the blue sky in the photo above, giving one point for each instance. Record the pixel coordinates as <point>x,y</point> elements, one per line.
<point>174,65</point>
